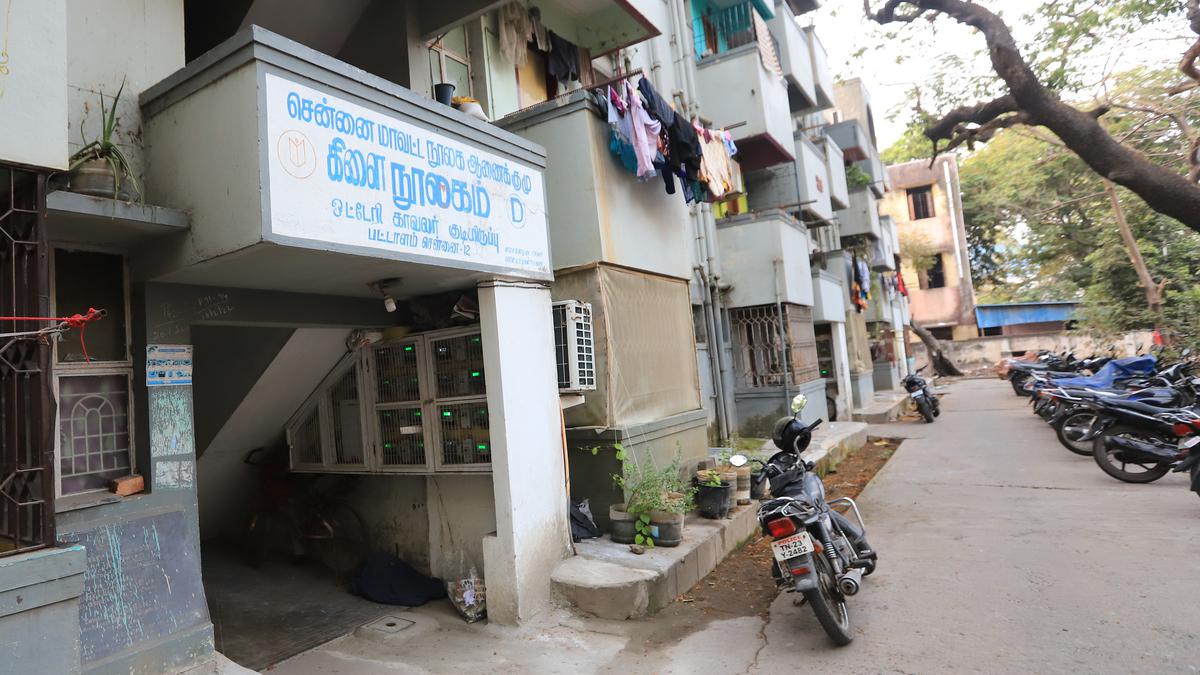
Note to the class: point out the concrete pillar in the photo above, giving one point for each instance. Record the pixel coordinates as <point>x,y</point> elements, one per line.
<point>529,478</point>
<point>841,368</point>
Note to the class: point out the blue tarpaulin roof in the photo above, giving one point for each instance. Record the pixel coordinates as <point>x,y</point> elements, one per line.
<point>994,316</point>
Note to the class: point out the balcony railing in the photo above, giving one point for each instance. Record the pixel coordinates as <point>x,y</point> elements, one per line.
<point>727,29</point>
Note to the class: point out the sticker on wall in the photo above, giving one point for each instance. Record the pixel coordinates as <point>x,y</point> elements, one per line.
<point>174,474</point>
<point>171,431</point>
<point>168,365</point>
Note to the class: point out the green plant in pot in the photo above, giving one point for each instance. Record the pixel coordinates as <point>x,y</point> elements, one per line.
<point>712,494</point>
<point>657,501</point>
<point>100,168</point>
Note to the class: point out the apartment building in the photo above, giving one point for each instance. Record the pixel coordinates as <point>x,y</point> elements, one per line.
<point>321,284</point>
<point>926,204</point>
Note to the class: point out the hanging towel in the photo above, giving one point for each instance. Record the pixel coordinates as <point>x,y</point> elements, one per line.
<point>538,29</point>
<point>516,29</point>
<point>645,133</point>
<point>563,64</point>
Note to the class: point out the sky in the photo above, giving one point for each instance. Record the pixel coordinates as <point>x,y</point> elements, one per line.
<point>844,31</point>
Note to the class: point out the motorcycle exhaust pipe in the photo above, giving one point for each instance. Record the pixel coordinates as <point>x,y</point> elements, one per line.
<point>850,582</point>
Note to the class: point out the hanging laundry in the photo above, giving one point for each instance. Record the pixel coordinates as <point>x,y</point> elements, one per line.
<point>683,143</point>
<point>516,29</point>
<point>541,36</point>
<point>621,132</point>
<point>715,169</point>
<point>900,278</point>
<point>645,133</point>
<point>563,62</point>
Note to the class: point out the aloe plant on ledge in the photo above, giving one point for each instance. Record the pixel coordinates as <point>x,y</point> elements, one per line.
<point>102,161</point>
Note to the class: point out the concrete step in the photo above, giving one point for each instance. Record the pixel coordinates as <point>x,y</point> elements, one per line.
<point>607,580</point>
<point>887,407</point>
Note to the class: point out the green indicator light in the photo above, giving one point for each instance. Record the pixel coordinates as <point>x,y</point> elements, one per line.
<point>475,373</point>
<point>446,413</point>
<point>481,446</point>
<point>408,348</point>
<point>475,339</point>
<point>387,446</point>
<point>417,413</point>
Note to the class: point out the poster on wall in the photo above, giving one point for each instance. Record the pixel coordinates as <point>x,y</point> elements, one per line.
<point>168,365</point>
<point>341,173</point>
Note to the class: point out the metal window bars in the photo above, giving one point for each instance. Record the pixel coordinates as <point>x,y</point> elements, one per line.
<point>759,347</point>
<point>26,450</point>
<point>722,30</point>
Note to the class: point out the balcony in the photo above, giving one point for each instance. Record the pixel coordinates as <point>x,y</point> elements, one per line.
<point>795,58</point>
<point>304,174</point>
<point>822,76</point>
<point>598,210</point>
<point>801,186</point>
<point>741,86</point>
<point>829,292</point>
<point>835,167</point>
<point>764,255</point>
<point>599,26</point>
<point>861,218</point>
<point>882,252</point>
<point>851,138</point>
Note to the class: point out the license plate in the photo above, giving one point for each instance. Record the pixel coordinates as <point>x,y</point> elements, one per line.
<point>917,394</point>
<point>1189,442</point>
<point>793,546</point>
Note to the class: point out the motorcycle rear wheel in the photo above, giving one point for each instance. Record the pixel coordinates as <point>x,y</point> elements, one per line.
<point>1113,466</point>
<point>926,409</point>
<point>829,605</point>
<point>1070,429</point>
<point>1018,384</point>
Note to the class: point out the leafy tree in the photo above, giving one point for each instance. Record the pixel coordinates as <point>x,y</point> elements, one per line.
<point>911,145</point>
<point>1030,82</point>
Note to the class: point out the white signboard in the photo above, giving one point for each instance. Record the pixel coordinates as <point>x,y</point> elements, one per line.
<point>168,365</point>
<point>341,173</point>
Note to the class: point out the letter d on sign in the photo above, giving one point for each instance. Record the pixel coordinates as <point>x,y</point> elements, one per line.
<point>516,211</point>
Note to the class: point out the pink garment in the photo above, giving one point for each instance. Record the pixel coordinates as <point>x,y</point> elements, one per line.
<point>645,134</point>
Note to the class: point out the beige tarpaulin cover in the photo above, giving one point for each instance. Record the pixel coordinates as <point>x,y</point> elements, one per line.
<point>858,346</point>
<point>645,349</point>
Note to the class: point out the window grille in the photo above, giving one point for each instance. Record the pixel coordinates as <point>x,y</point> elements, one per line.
<point>383,408</point>
<point>93,426</point>
<point>760,348</point>
<point>26,487</point>
<point>721,30</point>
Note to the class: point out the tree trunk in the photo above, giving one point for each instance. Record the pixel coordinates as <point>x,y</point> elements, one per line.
<point>1153,290</point>
<point>941,363</point>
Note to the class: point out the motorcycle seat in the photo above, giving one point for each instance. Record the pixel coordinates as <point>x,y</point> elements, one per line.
<point>1143,406</point>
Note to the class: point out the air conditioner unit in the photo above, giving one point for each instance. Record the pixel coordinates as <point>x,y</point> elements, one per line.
<point>574,346</point>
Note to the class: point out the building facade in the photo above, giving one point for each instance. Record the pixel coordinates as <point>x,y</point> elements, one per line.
<point>926,204</point>
<point>319,284</point>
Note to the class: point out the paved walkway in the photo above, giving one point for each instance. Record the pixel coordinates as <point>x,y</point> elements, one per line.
<point>1000,552</point>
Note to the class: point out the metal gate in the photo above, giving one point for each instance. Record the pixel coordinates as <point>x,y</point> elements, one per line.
<point>26,447</point>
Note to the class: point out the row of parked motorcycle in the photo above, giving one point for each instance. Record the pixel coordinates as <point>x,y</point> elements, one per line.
<point>1137,417</point>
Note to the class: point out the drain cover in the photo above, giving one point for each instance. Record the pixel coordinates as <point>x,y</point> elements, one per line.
<point>389,624</point>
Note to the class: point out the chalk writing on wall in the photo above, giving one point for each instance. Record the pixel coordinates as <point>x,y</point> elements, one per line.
<point>171,431</point>
<point>177,317</point>
<point>174,474</point>
<point>142,583</point>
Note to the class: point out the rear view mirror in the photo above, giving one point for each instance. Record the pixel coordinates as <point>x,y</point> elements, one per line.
<point>798,403</point>
<point>738,460</point>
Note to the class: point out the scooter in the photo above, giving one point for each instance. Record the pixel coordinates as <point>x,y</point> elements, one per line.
<point>818,552</point>
<point>922,395</point>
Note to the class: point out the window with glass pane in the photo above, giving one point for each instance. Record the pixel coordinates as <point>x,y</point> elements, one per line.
<point>84,279</point>
<point>450,61</point>
<point>93,423</point>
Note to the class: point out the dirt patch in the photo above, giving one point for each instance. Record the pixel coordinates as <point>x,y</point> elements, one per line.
<point>742,584</point>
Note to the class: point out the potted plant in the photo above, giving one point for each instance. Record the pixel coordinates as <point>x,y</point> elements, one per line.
<point>712,494</point>
<point>657,501</point>
<point>100,168</point>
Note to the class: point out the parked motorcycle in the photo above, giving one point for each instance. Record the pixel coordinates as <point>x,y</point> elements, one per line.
<point>922,395</point>
<point>818,552</point>
<point>1140,443</point>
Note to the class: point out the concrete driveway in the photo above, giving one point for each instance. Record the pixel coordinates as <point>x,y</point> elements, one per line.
<point>1000,552</point>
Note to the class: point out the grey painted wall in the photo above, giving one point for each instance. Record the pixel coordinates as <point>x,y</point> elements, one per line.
<point>239,355</point>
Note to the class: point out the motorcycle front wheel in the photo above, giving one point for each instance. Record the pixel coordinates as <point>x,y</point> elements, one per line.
<point>828,603</point>
<point>1113,464</point>
<point>1072,432</point>
<point>1018,384</point>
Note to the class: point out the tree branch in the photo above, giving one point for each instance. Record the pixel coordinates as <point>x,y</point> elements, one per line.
<point>1162,189</point>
